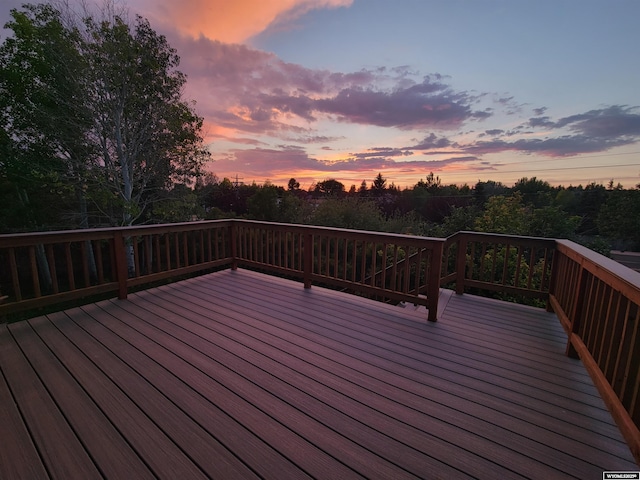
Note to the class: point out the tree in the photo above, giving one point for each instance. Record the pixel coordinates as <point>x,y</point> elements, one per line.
<point>505,215</point>
<point>619,217</point>
<point>534,192</point>
<point>95,106</point>
<point>330,188</point>
<point>293,185</point>
<point>43,119</point>
<point>148,136</point>
<point>362,190</point>
<point>263,204</point>
<point>379,185</point>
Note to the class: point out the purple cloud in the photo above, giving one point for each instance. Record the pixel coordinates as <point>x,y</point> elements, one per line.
<point>427,104</point>
<point>612,122</point>
<point>255,91</point>
<point>590,132</point>
<point>432,142</point>
<point>382,152</point>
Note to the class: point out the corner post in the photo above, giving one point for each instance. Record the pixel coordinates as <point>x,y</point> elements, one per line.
<point>461,263</point>
<point>433,280</point>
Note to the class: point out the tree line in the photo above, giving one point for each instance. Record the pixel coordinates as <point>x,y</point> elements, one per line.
<point>595,215</point>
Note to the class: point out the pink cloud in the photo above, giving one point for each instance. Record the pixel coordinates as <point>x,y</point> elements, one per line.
<point>229,21</point>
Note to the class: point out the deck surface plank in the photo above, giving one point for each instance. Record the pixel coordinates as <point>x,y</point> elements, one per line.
<point>18,457</point>
<point>238,375</point>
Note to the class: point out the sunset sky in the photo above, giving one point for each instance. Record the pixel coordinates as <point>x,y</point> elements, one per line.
<point>467,89</point>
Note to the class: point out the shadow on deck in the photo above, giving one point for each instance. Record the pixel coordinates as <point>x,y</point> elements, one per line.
<point>241,375</point>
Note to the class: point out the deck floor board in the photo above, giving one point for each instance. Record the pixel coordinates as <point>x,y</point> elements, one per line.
<point>237,374</point>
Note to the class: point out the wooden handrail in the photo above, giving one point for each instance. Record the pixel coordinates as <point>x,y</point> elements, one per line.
<point>598,303</point>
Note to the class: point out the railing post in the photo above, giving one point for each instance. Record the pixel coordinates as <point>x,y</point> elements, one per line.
<point>234,245</point>
<point>433,282</point>
<point>461,263</point>
<point>307,259</point>
<point>122,271</point>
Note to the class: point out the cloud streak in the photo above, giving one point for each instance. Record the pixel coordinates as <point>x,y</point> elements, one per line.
<point>229,21</point>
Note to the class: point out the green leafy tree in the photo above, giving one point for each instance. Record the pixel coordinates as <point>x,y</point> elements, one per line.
<point>505,215</point>
<point>43,121</point>
<point>330,188</point>
<point>148,136</point>
<point>619,217</point>
<point>534,192</point>
<point>264,204</point>
<point>95,106</point>
<point>351,213</point>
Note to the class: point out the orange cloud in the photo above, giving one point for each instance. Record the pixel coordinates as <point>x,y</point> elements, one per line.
<point>229,21</point>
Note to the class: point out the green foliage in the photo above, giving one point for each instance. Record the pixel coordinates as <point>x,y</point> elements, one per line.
<point>329,188</point>
<point>351,213</point>
<point>505,215</point>
<point>179,205</point>
<point>619,217</point>
<point>264,204</point>
<point>92,109</point>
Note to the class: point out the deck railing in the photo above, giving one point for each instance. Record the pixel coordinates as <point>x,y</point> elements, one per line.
<point>596,299</point>
<point>598,303</point>
<point>40,269</point>
<point>384,266</point>
<point>509,264</point>
<point>48,268</point>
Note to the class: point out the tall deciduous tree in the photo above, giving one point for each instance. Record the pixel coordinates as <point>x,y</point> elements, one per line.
<point>148,136</point>
<point>99,104</point>
<point>43,118</point>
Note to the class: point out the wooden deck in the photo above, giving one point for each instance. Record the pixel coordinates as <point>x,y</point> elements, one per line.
<point>242,375</point>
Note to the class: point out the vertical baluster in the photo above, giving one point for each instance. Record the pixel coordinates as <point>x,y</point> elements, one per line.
<point>70,273</point>
<point>158,251</point>
<point>176,247</point>
<point>185,248</point>
<point>35,278</point>
<point>394,268</point>
<point>516,280</point>
<point>52,268</point>
<point>85,263</point>
<point>136,255</point>
<point>532,267</point>
<point>354,257</point>
<point>629,365</point>
<point>505,266</point>
<point>374,258</point>
<point>97,248</point>
<point>363,262</point>
<point>149,252</point>
<point>15,279</point>
<point>383,267</point>
<point>345,250</point>
<point>418,273</point>
<point>335,257</point>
